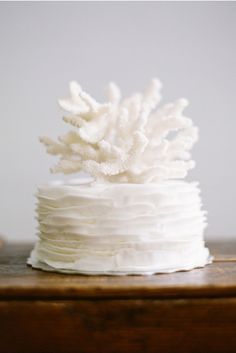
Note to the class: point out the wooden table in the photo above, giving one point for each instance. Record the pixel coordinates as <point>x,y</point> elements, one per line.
<point>181,312</point>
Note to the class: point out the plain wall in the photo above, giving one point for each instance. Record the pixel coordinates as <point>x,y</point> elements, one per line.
<point>190,46</point>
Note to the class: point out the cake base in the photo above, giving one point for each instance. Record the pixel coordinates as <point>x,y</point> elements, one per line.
<point>44,267</point>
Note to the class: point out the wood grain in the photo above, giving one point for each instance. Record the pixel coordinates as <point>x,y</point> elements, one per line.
<point>206,325</point>
<point>182,312</point>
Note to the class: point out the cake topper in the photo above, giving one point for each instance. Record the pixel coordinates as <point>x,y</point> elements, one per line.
<point>124,141</point>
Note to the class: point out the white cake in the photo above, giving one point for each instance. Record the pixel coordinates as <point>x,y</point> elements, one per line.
<point>96,228</point>
<point>134,215</point>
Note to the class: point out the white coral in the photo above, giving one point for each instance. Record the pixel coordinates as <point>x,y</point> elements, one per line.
<point>124,141</point>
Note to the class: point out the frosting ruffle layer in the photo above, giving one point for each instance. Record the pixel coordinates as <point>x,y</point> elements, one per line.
<point>97,228</point>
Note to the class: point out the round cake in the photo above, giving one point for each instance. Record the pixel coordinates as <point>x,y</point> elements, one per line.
<point>96,228</point>
<point>133,214</point>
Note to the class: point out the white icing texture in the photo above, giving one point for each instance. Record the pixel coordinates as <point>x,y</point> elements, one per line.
<point>124,140</point>
<point>96,228</point>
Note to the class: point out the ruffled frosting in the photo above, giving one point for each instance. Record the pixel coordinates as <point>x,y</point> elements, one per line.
<point>92,228</point>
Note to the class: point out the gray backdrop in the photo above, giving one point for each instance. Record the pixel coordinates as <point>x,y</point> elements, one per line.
<point>190,46</point>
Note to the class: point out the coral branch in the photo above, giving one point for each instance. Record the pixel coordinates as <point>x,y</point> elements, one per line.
<point>124,141</point>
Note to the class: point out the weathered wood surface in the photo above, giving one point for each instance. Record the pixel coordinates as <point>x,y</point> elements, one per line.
<point>17,280</point>
<point>181,312</point>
